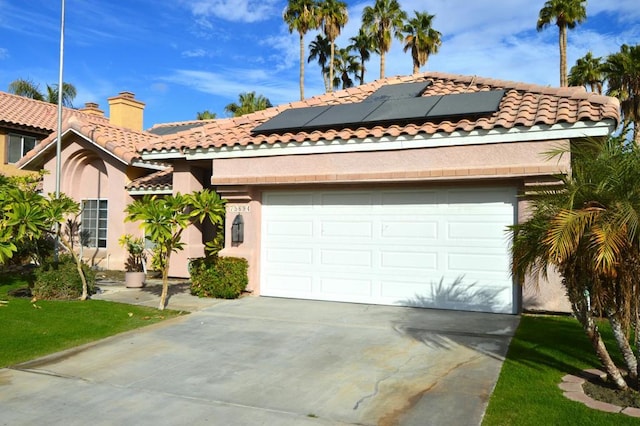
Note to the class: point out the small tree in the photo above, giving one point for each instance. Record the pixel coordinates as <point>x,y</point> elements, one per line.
<point>27,217</point>
<point>164,219</point>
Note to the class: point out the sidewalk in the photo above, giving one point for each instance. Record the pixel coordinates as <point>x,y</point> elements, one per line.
<point>179,297</point>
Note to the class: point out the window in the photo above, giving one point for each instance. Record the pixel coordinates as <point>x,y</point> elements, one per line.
<point>19,145</point>
<point>94,222</point>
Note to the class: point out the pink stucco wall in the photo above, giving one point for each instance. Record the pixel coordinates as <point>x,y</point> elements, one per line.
<point>242,180</point>
<point>89,173</point>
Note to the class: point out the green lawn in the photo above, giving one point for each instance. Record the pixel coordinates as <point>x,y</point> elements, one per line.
<point>543,350</point>
<point>30,330</point>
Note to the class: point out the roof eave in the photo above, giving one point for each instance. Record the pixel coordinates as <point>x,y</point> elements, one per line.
<point>421,140</point>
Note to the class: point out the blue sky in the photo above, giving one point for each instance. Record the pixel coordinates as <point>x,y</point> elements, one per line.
<point>185,56</point>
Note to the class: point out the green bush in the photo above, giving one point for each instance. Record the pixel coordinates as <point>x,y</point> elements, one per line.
<point>219,277</point>
<point>61,281</point>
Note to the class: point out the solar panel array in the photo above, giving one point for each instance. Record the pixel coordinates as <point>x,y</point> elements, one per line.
<point>391,103</point>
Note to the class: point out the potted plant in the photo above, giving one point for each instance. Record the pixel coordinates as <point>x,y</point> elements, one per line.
<point>135,267</point>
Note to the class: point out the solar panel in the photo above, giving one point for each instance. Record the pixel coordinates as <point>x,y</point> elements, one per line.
<point>398,91</point>
<point>169,130</point>
<point>289,119</point>
<point>467,104</point>
<point>343,114</point>
<point>402,109</point>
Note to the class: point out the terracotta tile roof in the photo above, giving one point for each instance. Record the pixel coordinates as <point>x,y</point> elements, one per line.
<point>162,180</point>
<point>524,105</point>
<point>21,111</point>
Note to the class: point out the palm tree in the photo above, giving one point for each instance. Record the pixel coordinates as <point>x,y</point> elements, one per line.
<point>587,72</point>
<point>320,49</point>
<point>333,14</point>
<point>589,231</point>
<point>622,73</point>
<point>364,45</point>
<point>301,15</point>
<point>206,115</point>
<point>346,65</point>
<point>29,89</point>
<point>380,20</point>
<point>421,39</point>
<point>565,14</point>
<point>247,103</point>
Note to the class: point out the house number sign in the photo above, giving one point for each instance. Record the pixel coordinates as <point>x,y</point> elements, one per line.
<point>238,208</point>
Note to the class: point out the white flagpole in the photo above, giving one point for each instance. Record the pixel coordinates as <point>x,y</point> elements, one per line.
<point>59,136</point>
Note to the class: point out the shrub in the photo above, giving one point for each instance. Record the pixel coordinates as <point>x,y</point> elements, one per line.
<point>220,277</point>
<point>60,280</point>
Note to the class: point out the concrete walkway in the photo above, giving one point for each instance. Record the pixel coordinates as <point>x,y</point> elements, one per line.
<point>268,361</point>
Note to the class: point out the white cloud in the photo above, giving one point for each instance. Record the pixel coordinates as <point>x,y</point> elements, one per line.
<point>4,53</point>
<point>232,10</point>
<point>195,53</point>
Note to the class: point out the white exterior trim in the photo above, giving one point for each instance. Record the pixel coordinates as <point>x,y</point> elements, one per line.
<point>163,191</point>
<point>580,129</point>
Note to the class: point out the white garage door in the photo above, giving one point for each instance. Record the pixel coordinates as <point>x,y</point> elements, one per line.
<point>442,248</point>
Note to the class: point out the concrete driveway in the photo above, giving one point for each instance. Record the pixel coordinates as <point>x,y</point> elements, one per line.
<point>268,361</point>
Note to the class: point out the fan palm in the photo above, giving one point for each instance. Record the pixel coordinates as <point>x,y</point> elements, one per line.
<point>346,65</point>
<point>301,16</point>
<point>247,103</point>
<point>364,45</point>
<point>381,20</point>
<point>622,73</point>
<point>421,39</point>
<point>587,72</point>
<point>589,231</point>
<point>333,14</point>
<point>565,14</point>
<point>320,50</point>
<point>29,89</point>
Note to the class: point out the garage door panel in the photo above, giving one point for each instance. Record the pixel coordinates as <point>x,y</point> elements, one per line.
<point>355,258</point>
<point>409,229</point>
<point>337,228</point>
<point>422,261</point>
<point>285,256</point>
<point>346,287</point>
<point>442,248</point>
<point>290,228</point>
<point>281,285</point>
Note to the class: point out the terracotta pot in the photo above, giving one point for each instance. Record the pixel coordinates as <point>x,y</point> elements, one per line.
<point>134,279</point>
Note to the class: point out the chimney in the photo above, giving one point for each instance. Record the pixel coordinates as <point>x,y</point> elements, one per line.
<point>92,108</point>
<point>126,111</point>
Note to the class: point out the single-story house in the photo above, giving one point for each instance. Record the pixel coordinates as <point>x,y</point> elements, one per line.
<point>398,191</point>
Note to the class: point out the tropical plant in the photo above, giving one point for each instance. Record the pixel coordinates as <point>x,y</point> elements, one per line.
<point>587,72</point>
<point>588,229</point>
<point>301,16</point>
<point>135,250</point>
<point>346,65</point>
<point>164,219</point>
<point>622,73</point>
<point>206,115</point>
<point>566,14</point>
<point>247,103</point>
<point>28,218</point>
<point>30,89</point>
<point>362,43</point>
<point>381,20</point>
<point>421,39</point>
<point>320,50</point>
<point>333,15</point>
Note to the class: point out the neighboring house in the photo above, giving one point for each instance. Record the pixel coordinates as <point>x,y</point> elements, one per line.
<point>394,192</point>
<point>100,166</point>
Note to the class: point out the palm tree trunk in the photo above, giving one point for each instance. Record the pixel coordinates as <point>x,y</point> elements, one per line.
<point>623,344</point>
<point>591,329</point>
<point>382,65</point>
<point>333,46</point>
<point>636,132</point>
<point>361,78</point>
<point>562,40</point>
<point>301,66</point>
